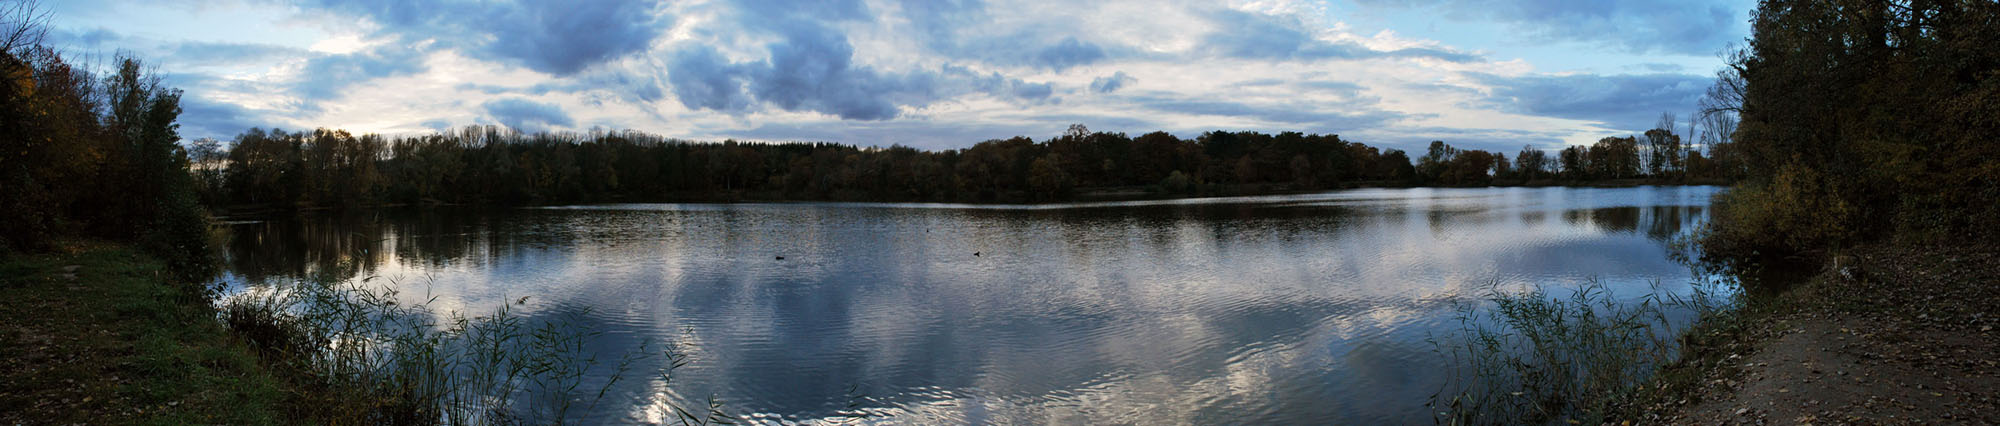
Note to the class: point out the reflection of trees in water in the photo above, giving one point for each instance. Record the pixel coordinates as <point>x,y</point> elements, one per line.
<point>337,245</point>
<point>1657,222</point>
<point>432,238</point>
<point>349,245</point>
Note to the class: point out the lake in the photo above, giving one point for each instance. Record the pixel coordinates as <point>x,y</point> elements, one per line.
<point>1313,308</point>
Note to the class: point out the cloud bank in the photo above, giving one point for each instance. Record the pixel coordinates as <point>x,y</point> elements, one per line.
<point>926,73</point>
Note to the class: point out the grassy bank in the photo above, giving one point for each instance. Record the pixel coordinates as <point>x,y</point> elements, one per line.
<point>92,334</point>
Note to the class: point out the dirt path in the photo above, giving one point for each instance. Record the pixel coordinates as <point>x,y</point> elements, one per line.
<point>1909,336</point>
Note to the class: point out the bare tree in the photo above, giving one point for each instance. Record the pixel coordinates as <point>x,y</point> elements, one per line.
<point>1726,96</point>
<point>22,24</point>
<point>1077,132</point>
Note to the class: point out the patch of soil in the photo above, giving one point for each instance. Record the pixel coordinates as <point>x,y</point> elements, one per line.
<point>1892,335</point>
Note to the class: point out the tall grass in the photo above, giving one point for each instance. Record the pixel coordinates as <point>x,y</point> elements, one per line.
<point>1534,357</point>
<point>381,361</point>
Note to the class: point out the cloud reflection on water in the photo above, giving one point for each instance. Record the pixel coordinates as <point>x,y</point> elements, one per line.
<point>1308,308</point>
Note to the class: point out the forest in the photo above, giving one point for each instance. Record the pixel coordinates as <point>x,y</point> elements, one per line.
<point>94,154</point>
<point>276,169</point>
<point>1861,121</point>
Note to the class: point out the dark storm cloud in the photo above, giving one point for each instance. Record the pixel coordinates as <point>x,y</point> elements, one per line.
<point>560,37</point>
<point>813,70</point>
<point>527,115</point>
<point>704,79</point>
<point>1636,26</point>
<point>1627,102</point>
<point>1111,83</point>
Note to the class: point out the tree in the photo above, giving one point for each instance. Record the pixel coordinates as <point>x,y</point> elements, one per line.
<point>1047,177</point>
<point>1856,120</point>
<point>1663,147</point>
<point>1531,163</point>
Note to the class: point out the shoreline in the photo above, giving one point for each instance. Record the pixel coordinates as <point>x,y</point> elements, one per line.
<point>1883,333</point>
<point>1104,194</point>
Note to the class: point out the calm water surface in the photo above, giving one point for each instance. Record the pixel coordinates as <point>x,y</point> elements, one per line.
<point>1282,309</point>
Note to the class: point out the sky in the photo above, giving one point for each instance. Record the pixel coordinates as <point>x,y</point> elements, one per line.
<point>935,74</point>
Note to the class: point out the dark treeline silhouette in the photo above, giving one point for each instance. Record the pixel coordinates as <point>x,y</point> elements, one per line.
<point>1862,120</point>
<point>89,154</point>
<point>490,164</point>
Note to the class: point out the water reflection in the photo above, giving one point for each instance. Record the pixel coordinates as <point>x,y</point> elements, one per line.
<point>1307,308</point>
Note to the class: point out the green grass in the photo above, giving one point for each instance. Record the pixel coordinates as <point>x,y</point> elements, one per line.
<point>116,344</point>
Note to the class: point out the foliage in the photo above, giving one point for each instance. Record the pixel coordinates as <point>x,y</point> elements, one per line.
<point>1860,120</point>
<point>487,164</point>
<point>80,154</point>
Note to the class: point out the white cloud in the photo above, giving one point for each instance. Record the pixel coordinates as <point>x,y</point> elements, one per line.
<point>948,73</point>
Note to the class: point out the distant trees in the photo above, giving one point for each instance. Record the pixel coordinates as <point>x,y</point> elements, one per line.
<point>1532,164</point>
<point>488,164</point>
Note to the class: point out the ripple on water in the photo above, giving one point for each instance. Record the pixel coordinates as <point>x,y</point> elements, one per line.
<point>1310,308</point>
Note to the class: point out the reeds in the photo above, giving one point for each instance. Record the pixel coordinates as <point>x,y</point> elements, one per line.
<point>387,362</point>
<point>1531,357</point>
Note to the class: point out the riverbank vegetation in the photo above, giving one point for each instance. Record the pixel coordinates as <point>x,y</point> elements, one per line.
<point>1530,356</point>
<point>92,154</point>
<point>1861,122</point>
<point>92,166</point>
<point>1863,153</point>
<point>1866,135</point>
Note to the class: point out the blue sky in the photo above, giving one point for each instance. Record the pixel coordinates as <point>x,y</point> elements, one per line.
<point>1497,74</point>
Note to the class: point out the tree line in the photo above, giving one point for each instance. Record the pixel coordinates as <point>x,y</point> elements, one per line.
<point>1862,120</point>
<point>492,164</point>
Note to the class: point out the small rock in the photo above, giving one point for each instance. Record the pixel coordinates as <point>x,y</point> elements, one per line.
<point>1742,411</point>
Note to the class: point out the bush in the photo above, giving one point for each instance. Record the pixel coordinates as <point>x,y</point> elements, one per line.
<point>1799,211</point>
<point>1177,183</point>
